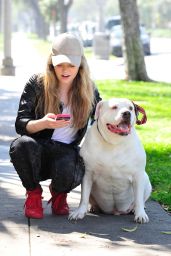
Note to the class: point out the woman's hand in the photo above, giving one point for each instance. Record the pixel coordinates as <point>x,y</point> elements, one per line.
<point>52,123</point>
<point>47,122</point>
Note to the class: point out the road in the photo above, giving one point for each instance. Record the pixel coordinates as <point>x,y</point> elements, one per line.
<point>157,64</point>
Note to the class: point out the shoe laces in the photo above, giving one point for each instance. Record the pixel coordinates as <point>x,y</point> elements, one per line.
<point>33,200</point>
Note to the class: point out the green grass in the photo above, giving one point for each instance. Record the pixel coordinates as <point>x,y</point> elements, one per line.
<point>42,46</point>
<point>155,134</point>
<point>160,33</point>
<point>89,54</point>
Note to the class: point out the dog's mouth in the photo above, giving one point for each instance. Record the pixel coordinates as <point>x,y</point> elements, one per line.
<point>123,128</point>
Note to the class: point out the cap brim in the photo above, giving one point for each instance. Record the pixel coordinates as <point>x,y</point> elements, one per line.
<point>58,59</point>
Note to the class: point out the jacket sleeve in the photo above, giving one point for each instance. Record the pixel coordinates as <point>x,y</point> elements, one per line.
<point>27,105</point>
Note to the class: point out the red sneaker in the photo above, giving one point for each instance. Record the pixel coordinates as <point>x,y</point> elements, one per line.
<point>59,203</point>
<point>33,204</point>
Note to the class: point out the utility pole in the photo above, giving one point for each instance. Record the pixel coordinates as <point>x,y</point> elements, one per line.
<point>101,46</point>
<point>101,4</point>
<point>7,68</point>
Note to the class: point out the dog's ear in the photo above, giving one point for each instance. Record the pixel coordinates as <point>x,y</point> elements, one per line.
<point>139,110</point>
<point>98,106</point>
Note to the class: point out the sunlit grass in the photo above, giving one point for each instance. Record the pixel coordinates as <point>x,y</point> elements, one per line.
<point>166,33</point>
<point>43,46</point>
<point>155,134</point>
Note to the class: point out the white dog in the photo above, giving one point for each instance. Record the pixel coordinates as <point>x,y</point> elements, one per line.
<point>115,179</point>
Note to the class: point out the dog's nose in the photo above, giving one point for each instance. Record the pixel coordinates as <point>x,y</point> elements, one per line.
<point>126,115</point>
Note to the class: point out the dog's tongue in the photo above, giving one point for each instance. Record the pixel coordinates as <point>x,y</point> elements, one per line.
<point>120,128</point>
<point>123,127</point>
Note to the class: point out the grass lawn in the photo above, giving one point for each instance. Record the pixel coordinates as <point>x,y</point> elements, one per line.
<point>155,134</point>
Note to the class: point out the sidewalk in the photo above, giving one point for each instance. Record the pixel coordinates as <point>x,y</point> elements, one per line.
<point>55,235</point>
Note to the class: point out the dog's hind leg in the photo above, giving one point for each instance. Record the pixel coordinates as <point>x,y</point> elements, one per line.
<point>147,188</point>
<point>86,186</point>
<point>94,206</point>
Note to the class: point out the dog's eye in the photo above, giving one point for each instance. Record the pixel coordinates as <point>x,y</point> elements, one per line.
<point>114,107</point>
<point>131,108</point>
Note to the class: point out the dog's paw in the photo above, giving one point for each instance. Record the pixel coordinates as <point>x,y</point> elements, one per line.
<point>141,217</point>
<point>77,214</point>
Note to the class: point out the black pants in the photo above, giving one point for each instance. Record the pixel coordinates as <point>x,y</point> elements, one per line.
<point>36,160</point>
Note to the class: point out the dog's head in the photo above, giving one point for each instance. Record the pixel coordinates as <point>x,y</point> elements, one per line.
<point>117,115</point>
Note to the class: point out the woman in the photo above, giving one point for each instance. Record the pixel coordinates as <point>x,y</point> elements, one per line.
<point>48,147</point>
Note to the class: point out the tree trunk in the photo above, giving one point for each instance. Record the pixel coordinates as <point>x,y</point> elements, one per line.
<point>41,27</point>
<point>63,9</point>
<point>132,47</point>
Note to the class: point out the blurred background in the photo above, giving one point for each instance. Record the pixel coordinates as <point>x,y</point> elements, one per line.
<point>34,24</point>
<point>42,17</point>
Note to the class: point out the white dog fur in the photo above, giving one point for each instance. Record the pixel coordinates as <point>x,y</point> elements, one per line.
<point>115,177</point>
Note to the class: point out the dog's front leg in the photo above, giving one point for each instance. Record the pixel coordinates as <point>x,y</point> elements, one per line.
<point>86,186</point>
<point>139,186</point>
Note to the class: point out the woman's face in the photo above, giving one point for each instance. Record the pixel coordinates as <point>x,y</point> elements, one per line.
<point>66,73</point>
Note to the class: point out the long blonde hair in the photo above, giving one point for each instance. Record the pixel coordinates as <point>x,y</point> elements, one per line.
<point>81,94</point>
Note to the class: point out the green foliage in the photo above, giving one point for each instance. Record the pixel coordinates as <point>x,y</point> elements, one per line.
<point>49,9</point>
<point>160,33</point>
<point>155,134</point>
<point>84,11</point>
<point>155,13</point>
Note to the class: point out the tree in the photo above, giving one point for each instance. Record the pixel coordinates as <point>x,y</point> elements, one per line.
<point>56,10</point>
<point>49,9</point>
<point>155,13</point>
<point>82,10</point>
<point>36,21</point>
<point>63,13</point>
<point>132,47</point>
<point>40,24</point>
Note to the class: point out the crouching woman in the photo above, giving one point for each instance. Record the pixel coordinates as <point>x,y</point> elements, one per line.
<point>48,147</point>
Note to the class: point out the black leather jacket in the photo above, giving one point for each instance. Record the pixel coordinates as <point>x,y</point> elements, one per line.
<point>32,92</point>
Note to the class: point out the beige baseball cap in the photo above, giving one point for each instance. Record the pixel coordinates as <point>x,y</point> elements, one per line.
<point>67,48</point>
